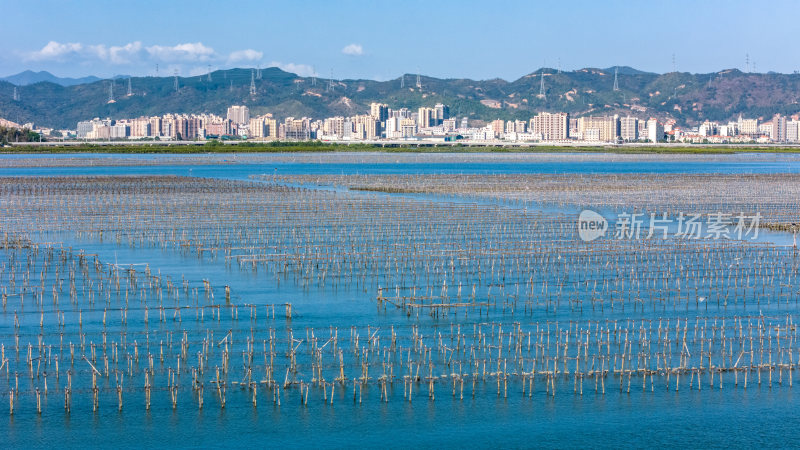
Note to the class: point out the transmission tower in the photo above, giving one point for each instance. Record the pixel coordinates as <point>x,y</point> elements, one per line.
<point>403,81</point>
<point>747,62</point>
<point>130,90</point>
<point>176,80</point>
<point>111,91</point>
<point>258,72</point>
<point>541,85</point>
<point>156,70</point>
<point>419,80</point>
<point>330,83</point>
<point>252,83</point>
<point>616,83</point>
<point>16,94</point>
<point>313,76</point>
<point>209,72</point>
<point>674,65</point>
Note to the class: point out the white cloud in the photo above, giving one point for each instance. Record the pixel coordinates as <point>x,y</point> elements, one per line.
<point>190,57</point>
<point>55,51</point>
<point>353,50</point>
<point>302,70</point>
<point>125,54</point>
<point>247,55</point>
<point>190,52</point>
<point>129,53</point>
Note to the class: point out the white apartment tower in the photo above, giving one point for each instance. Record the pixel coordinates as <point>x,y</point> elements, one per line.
<point>655,130</point>
<point>629,128</point>
<point>551,126</point>
<point>239,115</point>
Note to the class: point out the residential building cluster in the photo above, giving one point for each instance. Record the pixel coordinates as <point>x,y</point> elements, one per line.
<point>436,124</point>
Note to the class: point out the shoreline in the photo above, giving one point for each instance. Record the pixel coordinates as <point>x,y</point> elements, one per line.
<point>318,147</point>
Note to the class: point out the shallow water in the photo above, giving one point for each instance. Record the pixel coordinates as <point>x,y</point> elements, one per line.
<point>720,416</point>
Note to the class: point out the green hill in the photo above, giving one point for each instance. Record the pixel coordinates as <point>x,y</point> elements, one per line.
<point>689,98</point>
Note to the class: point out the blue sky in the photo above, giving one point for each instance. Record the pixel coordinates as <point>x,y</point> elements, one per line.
<point>383,39</point>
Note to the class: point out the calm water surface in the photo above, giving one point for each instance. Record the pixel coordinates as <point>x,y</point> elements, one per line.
<point>758,416</point>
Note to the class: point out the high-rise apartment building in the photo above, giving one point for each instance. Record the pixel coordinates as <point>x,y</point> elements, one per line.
<point>256,127</point>
<point>333,127</point>
<point>168,128</point>
<point>497,127</point>
<point>779,128</point>
<point>188,127</point>
<point>393,128</point>
<point>366,126</point>
<point>425,117</point>
<point>141,127</point>
<point>263,127</point>
<point>655,130</point>
<point>270,128</point>
<point>441,113</point>
<point>156,123</point>
<point>297,129</point>
<point>607,127</point>
<point>793,131</point>
<point>748,126</point>
<point>629,128</point>
<point>551,126</point>
<point>379,111</point>
<point>119,131</point>
<point>239,115</point>
<point>408,128</point>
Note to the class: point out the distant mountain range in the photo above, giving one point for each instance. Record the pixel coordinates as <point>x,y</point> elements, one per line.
<point>30,77</point>
<point>688,98</point>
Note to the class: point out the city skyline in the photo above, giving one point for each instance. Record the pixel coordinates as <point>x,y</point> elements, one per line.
<point>354,39</point>
<point>433,125</point>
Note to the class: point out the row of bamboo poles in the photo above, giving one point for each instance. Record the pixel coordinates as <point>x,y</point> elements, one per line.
<point>504,300</point>
<point>448,252</point>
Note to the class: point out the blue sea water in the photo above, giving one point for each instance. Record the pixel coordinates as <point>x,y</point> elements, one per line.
<point>719,417</point>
